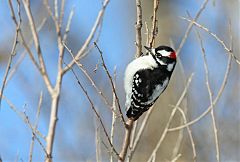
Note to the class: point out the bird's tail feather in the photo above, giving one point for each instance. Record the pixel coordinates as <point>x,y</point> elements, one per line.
<point>134,113</point>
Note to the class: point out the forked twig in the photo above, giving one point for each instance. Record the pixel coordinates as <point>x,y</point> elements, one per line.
<point>95,111</point>
<point>229,51</point>
<point>210,96</point>
<point>90,36</point>
<point>25,119</point>
<point>111,81</point>
<point>81,67</point>
<point>204,4</point>
<point>35,126</point>
<point>36,41</point>
<point>13,53</point>
<point>165,131</point>
<point>214,101</point>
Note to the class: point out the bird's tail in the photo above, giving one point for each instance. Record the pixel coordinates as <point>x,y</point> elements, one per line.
<point>134,113</point>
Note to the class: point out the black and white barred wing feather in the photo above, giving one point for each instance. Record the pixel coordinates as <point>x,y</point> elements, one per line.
<point>143,85</point>
<point>145,91</point>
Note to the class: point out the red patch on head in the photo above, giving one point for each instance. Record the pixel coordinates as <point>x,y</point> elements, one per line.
<point>173,55</point>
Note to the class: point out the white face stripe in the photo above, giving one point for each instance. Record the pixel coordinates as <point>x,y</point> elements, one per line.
<point>164,53</point>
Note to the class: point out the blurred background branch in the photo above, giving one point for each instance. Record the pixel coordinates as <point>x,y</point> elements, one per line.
<point>42,41</point>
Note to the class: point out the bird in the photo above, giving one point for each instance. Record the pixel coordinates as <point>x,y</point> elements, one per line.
<point>146,78</point>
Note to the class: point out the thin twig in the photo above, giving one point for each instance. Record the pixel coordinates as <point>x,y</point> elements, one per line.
<point>97,141</point>
<point>147,33</point>
<point>13,53</point>
<point>68,25</point>
<point>165,131</point>
<point>35,126</point>
<point>179,138</point>
<point>56,9</point>
<point>183,113</point>
<point>190,26</point>
<point>229,51</point>
<point>127,138</point>
<point>95,111</point>
<point>57,89</point>
<point>176,158</point>
<point>23,42</point>
<point>138,27</point>
<point>46,4</point>
<point>189,131</point>
<point>111,81</point>
<point>214,101</point>
<point>134,130</point>
<point>36,41</point>
<point>24,117</point>
<point>140,133</point>
<point>81,67</point>
<point>210,96</point>
<point>90,36</point>
<point>114,116</point>
<point>154,22</point>
<point>62,12</point>
<point>22,54</point>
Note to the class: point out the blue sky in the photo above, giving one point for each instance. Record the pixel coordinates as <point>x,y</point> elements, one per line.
<point>116,41</point>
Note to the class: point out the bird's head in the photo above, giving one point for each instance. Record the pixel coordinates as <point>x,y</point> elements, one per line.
<point>164,54</point>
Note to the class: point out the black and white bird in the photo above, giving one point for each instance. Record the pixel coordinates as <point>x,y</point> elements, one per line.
<point>146,78</point>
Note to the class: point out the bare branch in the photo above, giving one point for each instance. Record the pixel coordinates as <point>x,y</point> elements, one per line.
<point>68,25</point>
<point>35,126</point>
<point>210,96</point>
<point>126,142</point>
<point>189,132</point>
<point>46,4</point>
<point>13,53</point>
<point>56,9</point>
<point>32,25</point>
<point>97,141</point>
<point>176,158</point>
<point>22,54</point>
<point>204,4</point>
<point>154,22</point>
<point>111,81</point>
<point>114,116</point>
<point>182,111</point>
<point>24,117</point>
<point>165,131</point>
<point>138,27</point>
<point>81,67</point>
<point>147,33</point>
<point>95,111</point>
<point>214,101</point>
<point>90,36</point>
<point>23,42</point>
<point>140,133</point>
<point>229,51</point>
<point>62,12</point>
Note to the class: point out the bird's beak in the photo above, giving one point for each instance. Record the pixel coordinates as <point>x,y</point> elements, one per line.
<point>149,50</point>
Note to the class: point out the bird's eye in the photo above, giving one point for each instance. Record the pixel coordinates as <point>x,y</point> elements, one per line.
<point>159,54</point>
